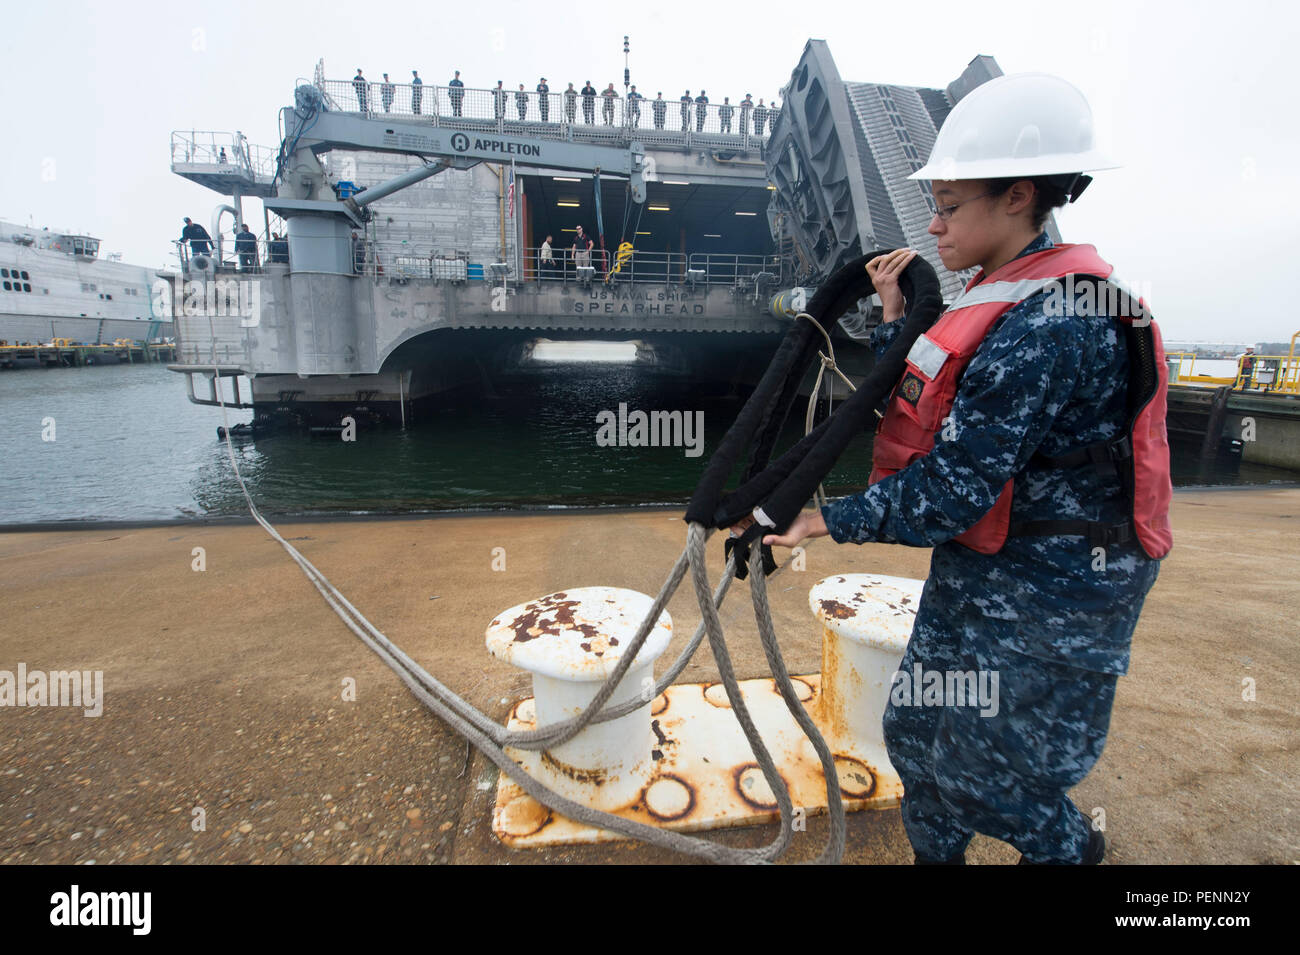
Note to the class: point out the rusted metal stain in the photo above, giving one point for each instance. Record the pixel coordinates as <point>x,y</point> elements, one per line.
<point>837,611</point>
<point>525,711</point>
<point>830,715</point>
<point>592,777</point>
<point>660,704</point>
<point>668,797</point>
<point>745,777</point>
<point>716,694</point>
<point>528,624</point>
<point>524,817</point>
<point>531,623</point>
<point>857,779</point>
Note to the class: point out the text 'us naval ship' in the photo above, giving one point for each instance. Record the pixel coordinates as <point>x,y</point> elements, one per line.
<point>434,235</point>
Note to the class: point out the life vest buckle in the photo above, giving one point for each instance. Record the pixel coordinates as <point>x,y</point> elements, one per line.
<point>1108,535</point>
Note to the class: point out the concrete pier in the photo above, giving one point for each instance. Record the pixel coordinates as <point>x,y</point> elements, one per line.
<point>235,691</point>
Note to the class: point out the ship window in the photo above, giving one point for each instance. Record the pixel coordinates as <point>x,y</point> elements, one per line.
<point>26,287</point>
<point>4,273</point>
<point>25,276</point>
<point>109,297</point>
<point>7,288</point>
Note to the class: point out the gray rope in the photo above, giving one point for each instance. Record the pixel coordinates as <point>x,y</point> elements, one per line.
<point>834,850</point>
<point>490,737</point>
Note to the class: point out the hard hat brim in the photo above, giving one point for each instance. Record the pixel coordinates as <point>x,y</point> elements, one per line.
<point>948,169</point>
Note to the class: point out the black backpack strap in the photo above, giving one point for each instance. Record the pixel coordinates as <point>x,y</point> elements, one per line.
<point>1098,534</point>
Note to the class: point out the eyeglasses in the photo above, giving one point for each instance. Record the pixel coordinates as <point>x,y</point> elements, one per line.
<point>945,212</point>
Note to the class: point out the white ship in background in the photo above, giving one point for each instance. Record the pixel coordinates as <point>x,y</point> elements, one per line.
<point>54,285</point>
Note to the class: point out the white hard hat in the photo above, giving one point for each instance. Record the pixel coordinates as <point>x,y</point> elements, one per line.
<point>1025,124</point>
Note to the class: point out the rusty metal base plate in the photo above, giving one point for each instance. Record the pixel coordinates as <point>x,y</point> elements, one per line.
<point>704,774</point>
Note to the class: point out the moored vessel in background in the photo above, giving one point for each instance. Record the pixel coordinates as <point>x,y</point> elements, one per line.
<point>54,285</point>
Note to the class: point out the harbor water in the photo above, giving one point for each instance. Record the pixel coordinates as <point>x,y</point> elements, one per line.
<point>124,443</point>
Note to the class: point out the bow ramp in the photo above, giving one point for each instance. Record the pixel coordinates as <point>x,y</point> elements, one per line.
<point>839,157</point>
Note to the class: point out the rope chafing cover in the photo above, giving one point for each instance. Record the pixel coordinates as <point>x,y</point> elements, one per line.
<point>784,487</point>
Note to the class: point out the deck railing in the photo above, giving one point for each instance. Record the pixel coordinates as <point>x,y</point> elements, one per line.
<point>1265,373</point>
<point>404,259</point>
<point>212,147</point>
<point>557,114</point>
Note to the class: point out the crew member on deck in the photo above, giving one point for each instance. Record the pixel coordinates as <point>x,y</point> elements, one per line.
<point>246,248</point>
<point>278,250</point>
<point>456,90</point>
<point>570,104</point>
<point>197,236</point>
<point>359,84</point>
<point>634,106</point>
<point>609,95</point>
<point>1247,368</point>
<point>546,259</point>
<point>499,100</point>
<point>660,109</point>
<point>544,100</point>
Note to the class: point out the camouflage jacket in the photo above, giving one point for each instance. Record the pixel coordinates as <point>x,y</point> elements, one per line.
<point>1037,383</point>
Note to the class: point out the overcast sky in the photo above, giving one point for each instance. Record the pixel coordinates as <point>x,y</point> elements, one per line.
<point>1196,99</point>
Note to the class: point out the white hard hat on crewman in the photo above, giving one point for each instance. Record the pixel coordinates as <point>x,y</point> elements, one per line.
<point>1025,124</point>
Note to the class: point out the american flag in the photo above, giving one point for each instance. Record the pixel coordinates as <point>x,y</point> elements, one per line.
<point>511,191</point>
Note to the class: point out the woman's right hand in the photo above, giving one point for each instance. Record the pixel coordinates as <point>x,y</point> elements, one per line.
<point>884,271</point>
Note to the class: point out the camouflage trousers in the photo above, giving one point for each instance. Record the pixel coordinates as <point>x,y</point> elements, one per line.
<point>1003,773</point>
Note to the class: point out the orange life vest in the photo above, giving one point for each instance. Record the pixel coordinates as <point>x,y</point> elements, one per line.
<point>1139,457</point>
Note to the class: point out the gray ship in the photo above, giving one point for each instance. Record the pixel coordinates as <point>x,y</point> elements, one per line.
<point>54,285</point>
<point>433,236</point>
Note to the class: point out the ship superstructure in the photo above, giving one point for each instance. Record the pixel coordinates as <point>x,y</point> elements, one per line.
<point>414,256</point>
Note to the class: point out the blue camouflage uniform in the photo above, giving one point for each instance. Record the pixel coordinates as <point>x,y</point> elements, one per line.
<point>1047,614</point>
